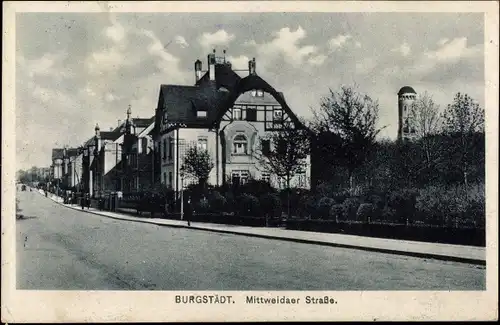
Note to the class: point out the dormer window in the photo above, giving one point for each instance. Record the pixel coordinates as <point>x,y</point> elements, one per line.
<point>201,114</point>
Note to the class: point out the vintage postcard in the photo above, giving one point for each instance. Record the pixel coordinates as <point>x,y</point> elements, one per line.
<point>249,161</point>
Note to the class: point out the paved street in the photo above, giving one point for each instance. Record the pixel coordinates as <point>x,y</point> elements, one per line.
<point>60,248</point>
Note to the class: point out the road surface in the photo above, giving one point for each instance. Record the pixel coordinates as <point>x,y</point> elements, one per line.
<point>60,248</point>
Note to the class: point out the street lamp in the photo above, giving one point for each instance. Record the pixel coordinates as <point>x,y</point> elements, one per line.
<point>182,194</point>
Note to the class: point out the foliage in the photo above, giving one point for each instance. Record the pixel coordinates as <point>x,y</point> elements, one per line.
<point>337,212</point>
<point>365,211</point>
<point>217,202</point>
<point>346,122</point>
<point>324,206</point>
<point>197,163</point>
<point>462,119</point>
<point>270,204</point>
<point>350,207</point>
<point>248,205</point>
<point>403,202</point>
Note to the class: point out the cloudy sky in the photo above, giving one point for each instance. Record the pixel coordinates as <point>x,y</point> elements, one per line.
<point>76,69</point>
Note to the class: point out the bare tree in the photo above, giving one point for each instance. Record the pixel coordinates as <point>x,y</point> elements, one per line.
<point>462,119</point>
<point>284,152</point>
<point>427,122</point>
<point>351,118</point>
<point>198,164</point>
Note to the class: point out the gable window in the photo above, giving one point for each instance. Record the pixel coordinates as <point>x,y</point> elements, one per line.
<point>240,145</point>
<point>258,93</point>
<point>251,114</point>
<point>202,143</point>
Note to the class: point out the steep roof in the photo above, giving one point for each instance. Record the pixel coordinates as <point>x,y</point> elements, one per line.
<point>224,77</point>
<point>181,103</point>
<point>111,135</point>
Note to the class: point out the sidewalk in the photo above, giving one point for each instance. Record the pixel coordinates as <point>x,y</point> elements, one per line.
<point>446,252</point>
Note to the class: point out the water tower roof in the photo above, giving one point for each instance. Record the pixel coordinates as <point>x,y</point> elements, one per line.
<point>406,90</point>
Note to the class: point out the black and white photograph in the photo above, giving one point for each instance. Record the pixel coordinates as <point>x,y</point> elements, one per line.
<point>255,160</point>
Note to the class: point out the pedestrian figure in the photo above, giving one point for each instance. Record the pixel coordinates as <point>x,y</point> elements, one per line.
<point>82,203</point>
<point>188,210</point>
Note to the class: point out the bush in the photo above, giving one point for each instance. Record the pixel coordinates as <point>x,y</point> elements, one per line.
<point>340,196</point>
<point>324,206</point>
<point>202,206</point>
<point>307,206</point>
<point>248,205</point>
<point>350,207</point>
<point>337,212</point>
<point>256,188</point>
<point>217,202</point>
<point>365,211</point>
<point>452,206</point>
<point>404,203</point>
<point>270,204</point>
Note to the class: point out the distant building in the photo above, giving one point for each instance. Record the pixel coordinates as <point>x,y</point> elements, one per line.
<point>110,160</point>
<point>406,122</point>
<point>228,116</point>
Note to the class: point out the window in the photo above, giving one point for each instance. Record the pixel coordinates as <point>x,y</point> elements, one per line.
<point>170,148</point>
<point>201,114</point>
<point>266,177</point>
<point>240,145</point>
<point>258,93</point>
<point>266,147</point>
<point>202,143</point>
<point>170,179</point>
<point>239,177</point>
<point>164,178</point>
<point>251,114</point>
<point>237,113</point>
<point>164,143</point>
<point>277,115</point>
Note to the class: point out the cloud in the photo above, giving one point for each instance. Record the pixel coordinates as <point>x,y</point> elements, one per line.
<point>338,42</point>
<point>46,65</point>
<point>454,50</point>
<point>358,45</point>
<point>181,41</point>
<point>317,60</point>
<point>285,45</point>
<point>404,49</point>
<point>116,32</point>
<point>219,38</point>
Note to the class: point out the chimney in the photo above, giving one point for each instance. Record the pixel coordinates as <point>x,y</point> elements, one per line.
<point>97,138</point>
<point>197,69</point>
<point>119,122</point>
<point>211,65</point>
<point>251,66</point>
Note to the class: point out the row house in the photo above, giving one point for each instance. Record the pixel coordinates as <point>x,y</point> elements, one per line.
<point>117,160</point>
<point>66,167</point>
<point>227,115</point>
